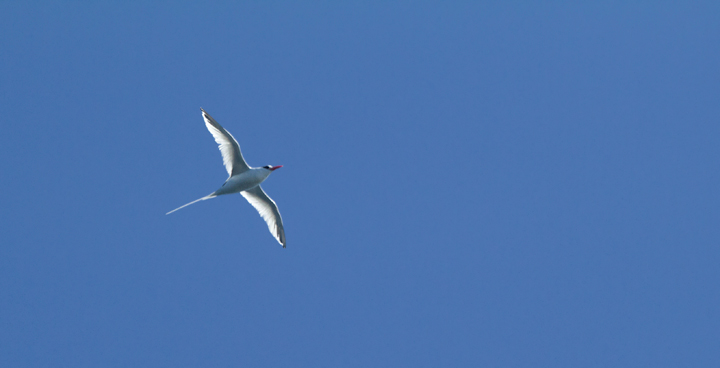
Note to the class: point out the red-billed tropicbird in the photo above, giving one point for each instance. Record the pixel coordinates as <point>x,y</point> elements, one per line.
<point>243,179</point>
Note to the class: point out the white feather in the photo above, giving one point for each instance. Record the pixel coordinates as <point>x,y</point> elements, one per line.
<point>268,211</point>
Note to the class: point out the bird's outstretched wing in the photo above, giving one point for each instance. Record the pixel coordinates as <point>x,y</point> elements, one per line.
<point>268,211</point>
<point>229,147</point>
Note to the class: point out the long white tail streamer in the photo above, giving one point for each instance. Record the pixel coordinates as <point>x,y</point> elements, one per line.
<point>212,195</point>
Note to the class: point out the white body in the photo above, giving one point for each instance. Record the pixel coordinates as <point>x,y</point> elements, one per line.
<point>243,179</point>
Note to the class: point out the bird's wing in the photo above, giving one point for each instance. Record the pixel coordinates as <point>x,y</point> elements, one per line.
<point>229,148</point>
<point>268,210</point>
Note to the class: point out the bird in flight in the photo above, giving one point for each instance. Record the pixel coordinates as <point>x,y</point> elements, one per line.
<point>243,179</point>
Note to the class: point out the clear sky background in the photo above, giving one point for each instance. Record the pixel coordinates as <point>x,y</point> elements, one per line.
<point>498,184</point>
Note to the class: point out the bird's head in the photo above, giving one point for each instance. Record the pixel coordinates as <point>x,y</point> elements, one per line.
<point>271,167</point>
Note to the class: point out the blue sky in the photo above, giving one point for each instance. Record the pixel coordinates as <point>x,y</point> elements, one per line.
<point>500,184</point>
